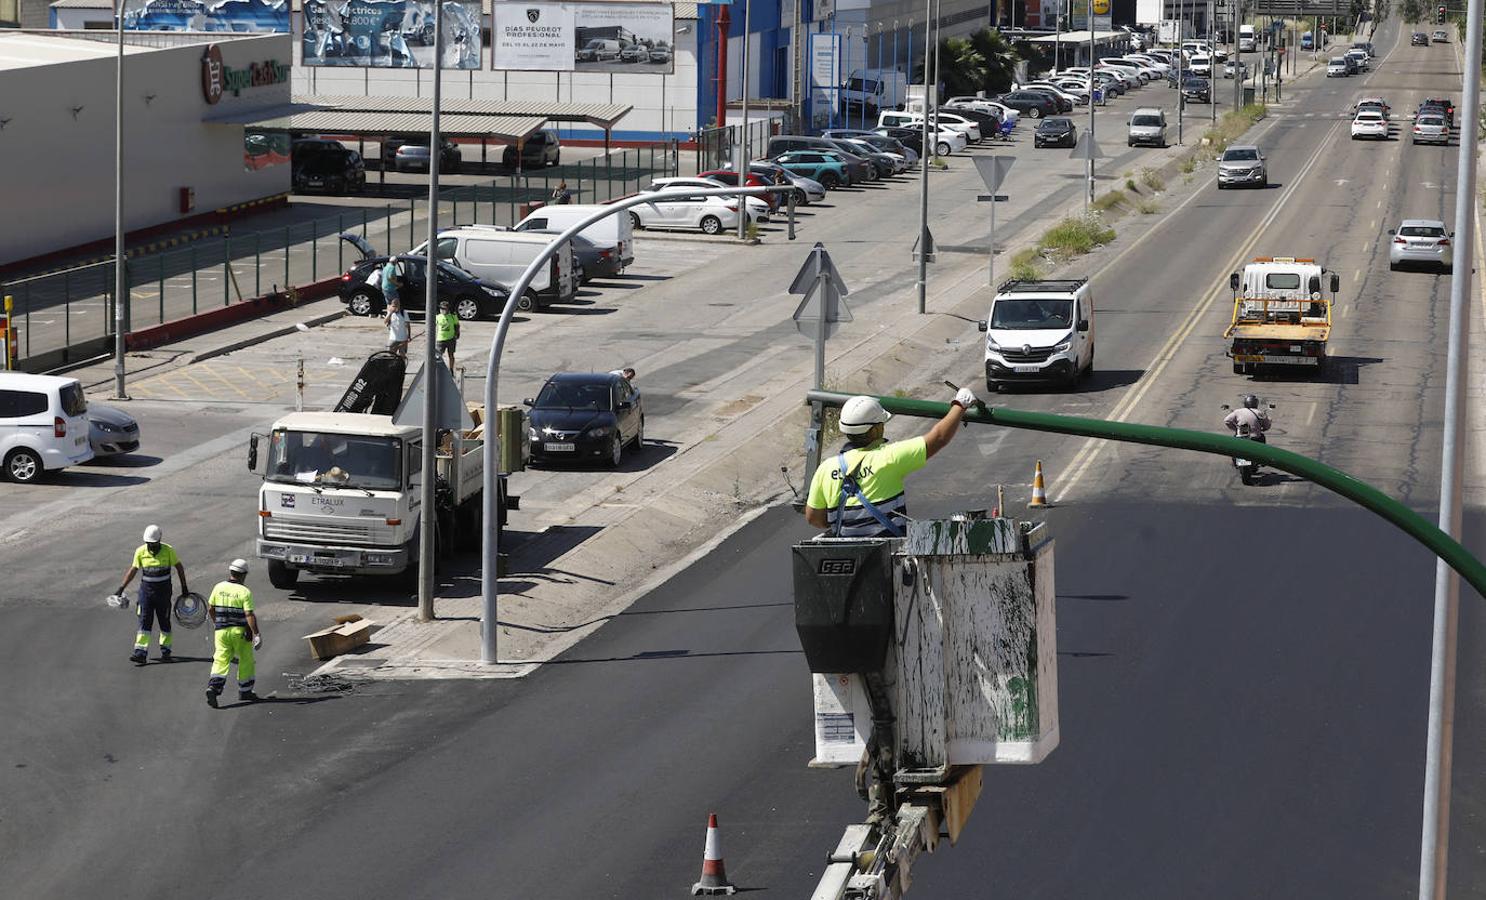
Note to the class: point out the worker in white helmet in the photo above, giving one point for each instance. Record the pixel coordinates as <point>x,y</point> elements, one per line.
<point>859,492</point>
<point>235,634</point>
<point>153,562</point>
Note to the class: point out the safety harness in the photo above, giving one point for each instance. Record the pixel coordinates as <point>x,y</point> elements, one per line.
<point>850,488</point>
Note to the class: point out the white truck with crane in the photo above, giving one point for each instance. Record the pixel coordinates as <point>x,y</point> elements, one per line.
<point>341,490</point>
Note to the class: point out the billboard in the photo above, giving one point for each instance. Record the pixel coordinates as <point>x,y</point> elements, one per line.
<point>238,16</point>
<point>582,36</point>
<point>389,34</point>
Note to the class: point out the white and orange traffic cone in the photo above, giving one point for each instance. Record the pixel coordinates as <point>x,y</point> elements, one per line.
<point>714,878</point>
<point>1039,491</point>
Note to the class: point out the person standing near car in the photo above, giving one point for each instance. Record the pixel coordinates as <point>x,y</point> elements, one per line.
<point>153,562</point>
<point>398,328</point>
<point>561,194</point>
<point>448,331</point>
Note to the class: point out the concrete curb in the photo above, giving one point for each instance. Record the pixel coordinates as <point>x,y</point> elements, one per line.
<point>264,337</point>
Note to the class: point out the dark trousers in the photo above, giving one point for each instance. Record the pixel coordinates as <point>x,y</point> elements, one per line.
<point>154,604</point>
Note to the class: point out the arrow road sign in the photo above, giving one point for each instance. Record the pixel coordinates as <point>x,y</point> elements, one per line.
<point>1081,149</point>
<point>823,288</point>
<point>993,170</point>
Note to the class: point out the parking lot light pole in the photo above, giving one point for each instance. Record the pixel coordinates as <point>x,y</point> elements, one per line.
<point>923,164</point>
<point>490,539</point>
<point>742,149</point>
<point>427,548</point>
<point>121,291</point>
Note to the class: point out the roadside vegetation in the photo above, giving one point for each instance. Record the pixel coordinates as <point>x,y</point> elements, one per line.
<point>983,61</point>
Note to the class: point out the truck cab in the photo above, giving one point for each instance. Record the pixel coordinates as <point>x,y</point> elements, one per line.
<point>340,494</point>
<point>1281,315</point>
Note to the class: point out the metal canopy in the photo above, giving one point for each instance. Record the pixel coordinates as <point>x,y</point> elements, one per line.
<point>603,115</point>
<point>509,129</point>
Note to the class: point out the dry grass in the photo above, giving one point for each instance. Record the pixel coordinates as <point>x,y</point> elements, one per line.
<point>1025,264</point>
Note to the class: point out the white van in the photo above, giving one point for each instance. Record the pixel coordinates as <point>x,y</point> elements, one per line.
<point>498,257</point>
<point>614,232</point>
<point>1246,39</point>
<point>43,425</point>
<point>1040,331</point>
<point>874,89</point>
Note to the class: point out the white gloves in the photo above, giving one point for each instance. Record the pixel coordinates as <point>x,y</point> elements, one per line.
<point>257,642</point>
<point>966,398</point>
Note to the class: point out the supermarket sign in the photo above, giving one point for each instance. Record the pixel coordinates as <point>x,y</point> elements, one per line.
<point>217,78</point>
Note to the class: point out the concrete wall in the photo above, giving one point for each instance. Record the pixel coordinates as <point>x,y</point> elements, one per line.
<point>665,106</point>
<point>75,19</point>
<point>57,151</point>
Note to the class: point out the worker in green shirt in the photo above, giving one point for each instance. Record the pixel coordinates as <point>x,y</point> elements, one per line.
<point>448,331</point>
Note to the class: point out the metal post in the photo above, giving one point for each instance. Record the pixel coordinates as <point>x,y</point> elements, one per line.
<point>791,199</point>
<point>299,384</point>
<point>991,263</point>
<point>923,167</point>
<point>258,262</point>
<point>1435,838</point>
<point>741,151</point>
<point>1089,150</point>
<point>226,272</point>
<point>490,541</point>
<point>1212,97</point>
<point>428,516</point>
<point>193,280</point>
<point>286,257</point>
<point>121,291</point>
<point>817,410</point>
<point>160,283</point>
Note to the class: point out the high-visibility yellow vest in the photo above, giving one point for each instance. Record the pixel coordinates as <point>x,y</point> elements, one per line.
<point>448,325</point>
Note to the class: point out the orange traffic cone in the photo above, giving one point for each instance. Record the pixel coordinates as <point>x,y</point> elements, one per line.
<point>1039,492</point>
<point>714,878</point>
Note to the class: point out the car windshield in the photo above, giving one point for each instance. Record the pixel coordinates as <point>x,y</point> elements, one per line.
<point>593,396</point>
<point>1145,120</point>
<point>1282,281</point>
<point>595,44</point>
<point>1338,61</point>
<point>335,460</point>
<point>1029,315</point>
<point>1247,155</point>
<point>1421,231</point>
<point>861,84</point>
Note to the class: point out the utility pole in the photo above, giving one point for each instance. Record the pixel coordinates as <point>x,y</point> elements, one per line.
<point>121,276</point>
<point>428,515</point>
<point>1435,837</point>
<point>1212,47</point>
<point>742,150</point>
<point>1089,159</point>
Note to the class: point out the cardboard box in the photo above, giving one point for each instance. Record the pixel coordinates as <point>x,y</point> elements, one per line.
<point>346,635</point>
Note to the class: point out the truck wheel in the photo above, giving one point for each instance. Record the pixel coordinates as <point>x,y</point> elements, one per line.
<point>281,576</point>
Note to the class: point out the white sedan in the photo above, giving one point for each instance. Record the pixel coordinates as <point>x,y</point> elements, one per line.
<point>710,215</point>
<point>1370,124</point>
<point>758,208</point>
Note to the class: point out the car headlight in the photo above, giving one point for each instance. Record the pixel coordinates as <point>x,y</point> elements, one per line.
<point>1067,344</point>
<point>992,345</point>
<point>599,432</point>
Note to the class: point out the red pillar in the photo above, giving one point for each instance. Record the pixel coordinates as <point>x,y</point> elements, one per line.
<point>723,21</point>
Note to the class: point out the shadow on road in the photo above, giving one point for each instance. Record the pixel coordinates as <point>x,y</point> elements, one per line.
<point>75,478</point>
<point>125,461</point>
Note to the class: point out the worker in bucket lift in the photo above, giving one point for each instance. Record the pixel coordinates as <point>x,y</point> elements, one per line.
<point>153,562</point>
<point>859,493</point>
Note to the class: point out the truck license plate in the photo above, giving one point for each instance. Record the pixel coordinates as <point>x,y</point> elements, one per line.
<point>1026,370</point>
<point>551,447</point>
<point>333,562</point>
<point>1289,360</point>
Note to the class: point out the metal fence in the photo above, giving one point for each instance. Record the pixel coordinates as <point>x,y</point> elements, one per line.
<point>716,146</point>
<point>67,316</point>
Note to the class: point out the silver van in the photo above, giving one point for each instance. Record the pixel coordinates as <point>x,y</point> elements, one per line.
<point>1147,126</point>
<point>498,257</point>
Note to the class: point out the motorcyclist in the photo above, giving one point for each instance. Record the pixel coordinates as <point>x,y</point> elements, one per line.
<point>1249,420</point>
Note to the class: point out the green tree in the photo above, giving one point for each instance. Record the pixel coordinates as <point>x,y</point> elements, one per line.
<point>1411,11</point>
<point>982,62</point>
<point>1000,59</point>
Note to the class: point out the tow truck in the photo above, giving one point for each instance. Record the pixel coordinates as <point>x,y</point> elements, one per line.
<point>1281,316</point>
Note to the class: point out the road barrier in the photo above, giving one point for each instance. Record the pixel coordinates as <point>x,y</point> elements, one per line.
<point>66,317</point>
<point>1360,492</point>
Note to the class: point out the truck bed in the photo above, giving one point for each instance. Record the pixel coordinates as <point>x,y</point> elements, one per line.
<point>1271,331</point>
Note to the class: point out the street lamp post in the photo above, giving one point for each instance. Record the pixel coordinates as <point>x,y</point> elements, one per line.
<point>427,549</point>
<point>923,162</point>
<point>742,149</point>
<point>121,277</point>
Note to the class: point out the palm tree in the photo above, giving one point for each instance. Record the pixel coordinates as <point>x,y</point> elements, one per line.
<point>982,62</point>
<point>1000,59</point>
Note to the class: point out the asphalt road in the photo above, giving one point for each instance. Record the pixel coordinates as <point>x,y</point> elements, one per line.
<point>1242,671</point>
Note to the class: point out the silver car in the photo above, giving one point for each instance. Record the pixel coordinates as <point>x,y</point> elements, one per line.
<point>1431,130</point>
<point>1423,242</point>
<point>111,431</point>
<point>1242,164</point>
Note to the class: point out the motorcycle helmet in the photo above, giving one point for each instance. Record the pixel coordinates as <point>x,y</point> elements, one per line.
<point>1251,402</point>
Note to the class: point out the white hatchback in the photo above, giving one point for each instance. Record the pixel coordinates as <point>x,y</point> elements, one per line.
<point>43,425</point>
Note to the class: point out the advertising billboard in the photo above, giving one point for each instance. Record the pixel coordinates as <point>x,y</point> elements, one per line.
<point>238,16</point>
<point>583,37</point>
<point>389,34</point>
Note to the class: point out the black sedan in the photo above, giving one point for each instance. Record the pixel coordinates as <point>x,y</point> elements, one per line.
<point>1197,90</point>
<point>1055,132</point>
<point>585,416</point>
<point>593,261</point>
<point>1030,103</point>
<point>360,287</point>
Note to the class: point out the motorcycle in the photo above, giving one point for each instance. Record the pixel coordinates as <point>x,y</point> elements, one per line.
<point>1248,470</point>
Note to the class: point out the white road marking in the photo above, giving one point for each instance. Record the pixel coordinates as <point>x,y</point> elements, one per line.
<point>1357,275</point>
<point>1091,448</point>
<point>1310,416</point>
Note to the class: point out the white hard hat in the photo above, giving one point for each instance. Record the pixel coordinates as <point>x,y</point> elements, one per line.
<point>859,414</point>
<point>152,534</point>
<point>238,566</point>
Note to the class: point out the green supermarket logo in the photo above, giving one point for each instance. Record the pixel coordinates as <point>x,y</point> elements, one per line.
<point>218,78</point>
